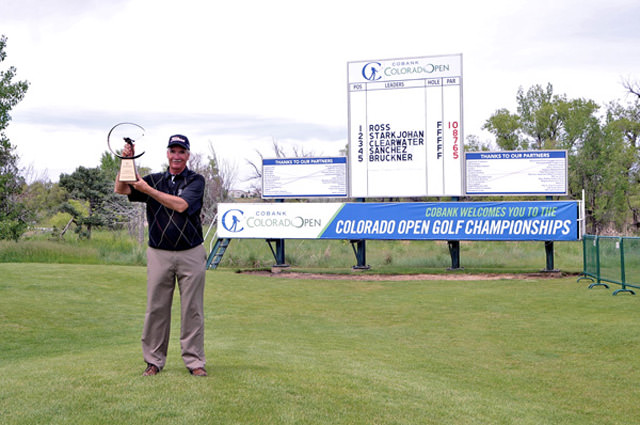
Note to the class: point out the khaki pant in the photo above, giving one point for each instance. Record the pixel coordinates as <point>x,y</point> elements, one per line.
<point>164,268</point>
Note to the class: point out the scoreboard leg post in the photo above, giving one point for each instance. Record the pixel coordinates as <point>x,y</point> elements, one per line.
<point>360,250</point>
<point>454,248</point>
<point>454,252</point>
<point>548,249</point>
<point>278,252</point>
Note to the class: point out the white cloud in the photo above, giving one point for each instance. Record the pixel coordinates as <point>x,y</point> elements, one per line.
<point>242,73</point>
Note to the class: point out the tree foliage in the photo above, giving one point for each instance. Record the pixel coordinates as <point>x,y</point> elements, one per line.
<point>473,144</point>
<point>505,126</point>
<point>13,215</point>
<point>93,186</point>
<point>42,198</point>
<point>603,150</point>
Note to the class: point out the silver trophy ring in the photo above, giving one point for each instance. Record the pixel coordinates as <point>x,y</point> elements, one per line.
<point>125,139</point>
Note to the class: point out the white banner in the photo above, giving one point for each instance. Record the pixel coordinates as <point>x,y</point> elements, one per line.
<point>275,220</point>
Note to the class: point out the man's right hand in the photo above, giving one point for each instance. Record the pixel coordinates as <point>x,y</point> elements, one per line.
<point>128,151</point>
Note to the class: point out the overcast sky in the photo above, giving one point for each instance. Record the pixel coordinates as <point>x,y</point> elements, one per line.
<point>240,74</point>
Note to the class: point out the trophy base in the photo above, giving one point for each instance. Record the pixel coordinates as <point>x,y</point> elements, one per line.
<point>128,171</point>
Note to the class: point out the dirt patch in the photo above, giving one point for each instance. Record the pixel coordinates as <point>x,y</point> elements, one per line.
<point>364,276</point>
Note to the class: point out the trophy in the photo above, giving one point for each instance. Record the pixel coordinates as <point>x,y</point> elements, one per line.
<point>129,133</point>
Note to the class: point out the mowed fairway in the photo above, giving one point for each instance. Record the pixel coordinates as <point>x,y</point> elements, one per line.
<point>291,351</point>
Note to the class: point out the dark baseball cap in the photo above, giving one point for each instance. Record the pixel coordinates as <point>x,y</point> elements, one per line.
<point>179,140</point>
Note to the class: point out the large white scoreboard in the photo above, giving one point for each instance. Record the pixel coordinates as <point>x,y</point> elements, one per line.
<point>405,127</point>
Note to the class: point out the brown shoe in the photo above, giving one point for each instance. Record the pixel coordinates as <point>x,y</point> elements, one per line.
<point>199,371</point>
<point>151,370</point>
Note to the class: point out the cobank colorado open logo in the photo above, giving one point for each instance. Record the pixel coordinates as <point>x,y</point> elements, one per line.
<point>231,220</point>
<point>371,71</point>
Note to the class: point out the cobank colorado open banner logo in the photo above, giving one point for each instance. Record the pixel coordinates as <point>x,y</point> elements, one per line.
<point>535,220</point>
<point>230,220</point>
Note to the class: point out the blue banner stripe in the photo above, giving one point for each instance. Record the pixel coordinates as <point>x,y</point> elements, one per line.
<point>543,220</point>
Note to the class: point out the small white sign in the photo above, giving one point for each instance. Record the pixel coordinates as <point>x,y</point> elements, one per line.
<point>516,173</point>
<point>304,177</point>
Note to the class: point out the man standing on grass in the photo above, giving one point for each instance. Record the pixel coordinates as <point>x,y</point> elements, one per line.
<point>175,252</point>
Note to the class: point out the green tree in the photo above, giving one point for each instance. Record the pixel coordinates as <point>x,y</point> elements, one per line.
<point>13,215</point>
<point>474,144</point>
<point>93,186</point>
<point>597,167</point>
<point>577,120</point>
<point>540,118</point>
<point>110,165</point>
<point>603,156</point>
<point>42,198</point>
<point>625,119</point>
<point>506,128</point>
<point>543,121</point>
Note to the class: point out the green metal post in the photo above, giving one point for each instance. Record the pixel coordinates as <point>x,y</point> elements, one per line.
<point>622,273</point>
<point>598,282</point>
<point>623,277</point>
<point>598,260</point>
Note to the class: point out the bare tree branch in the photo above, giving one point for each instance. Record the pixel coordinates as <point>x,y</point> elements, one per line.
<point>632,87</point>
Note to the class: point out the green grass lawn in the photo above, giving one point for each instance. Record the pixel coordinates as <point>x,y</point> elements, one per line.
<point>291,351</point>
